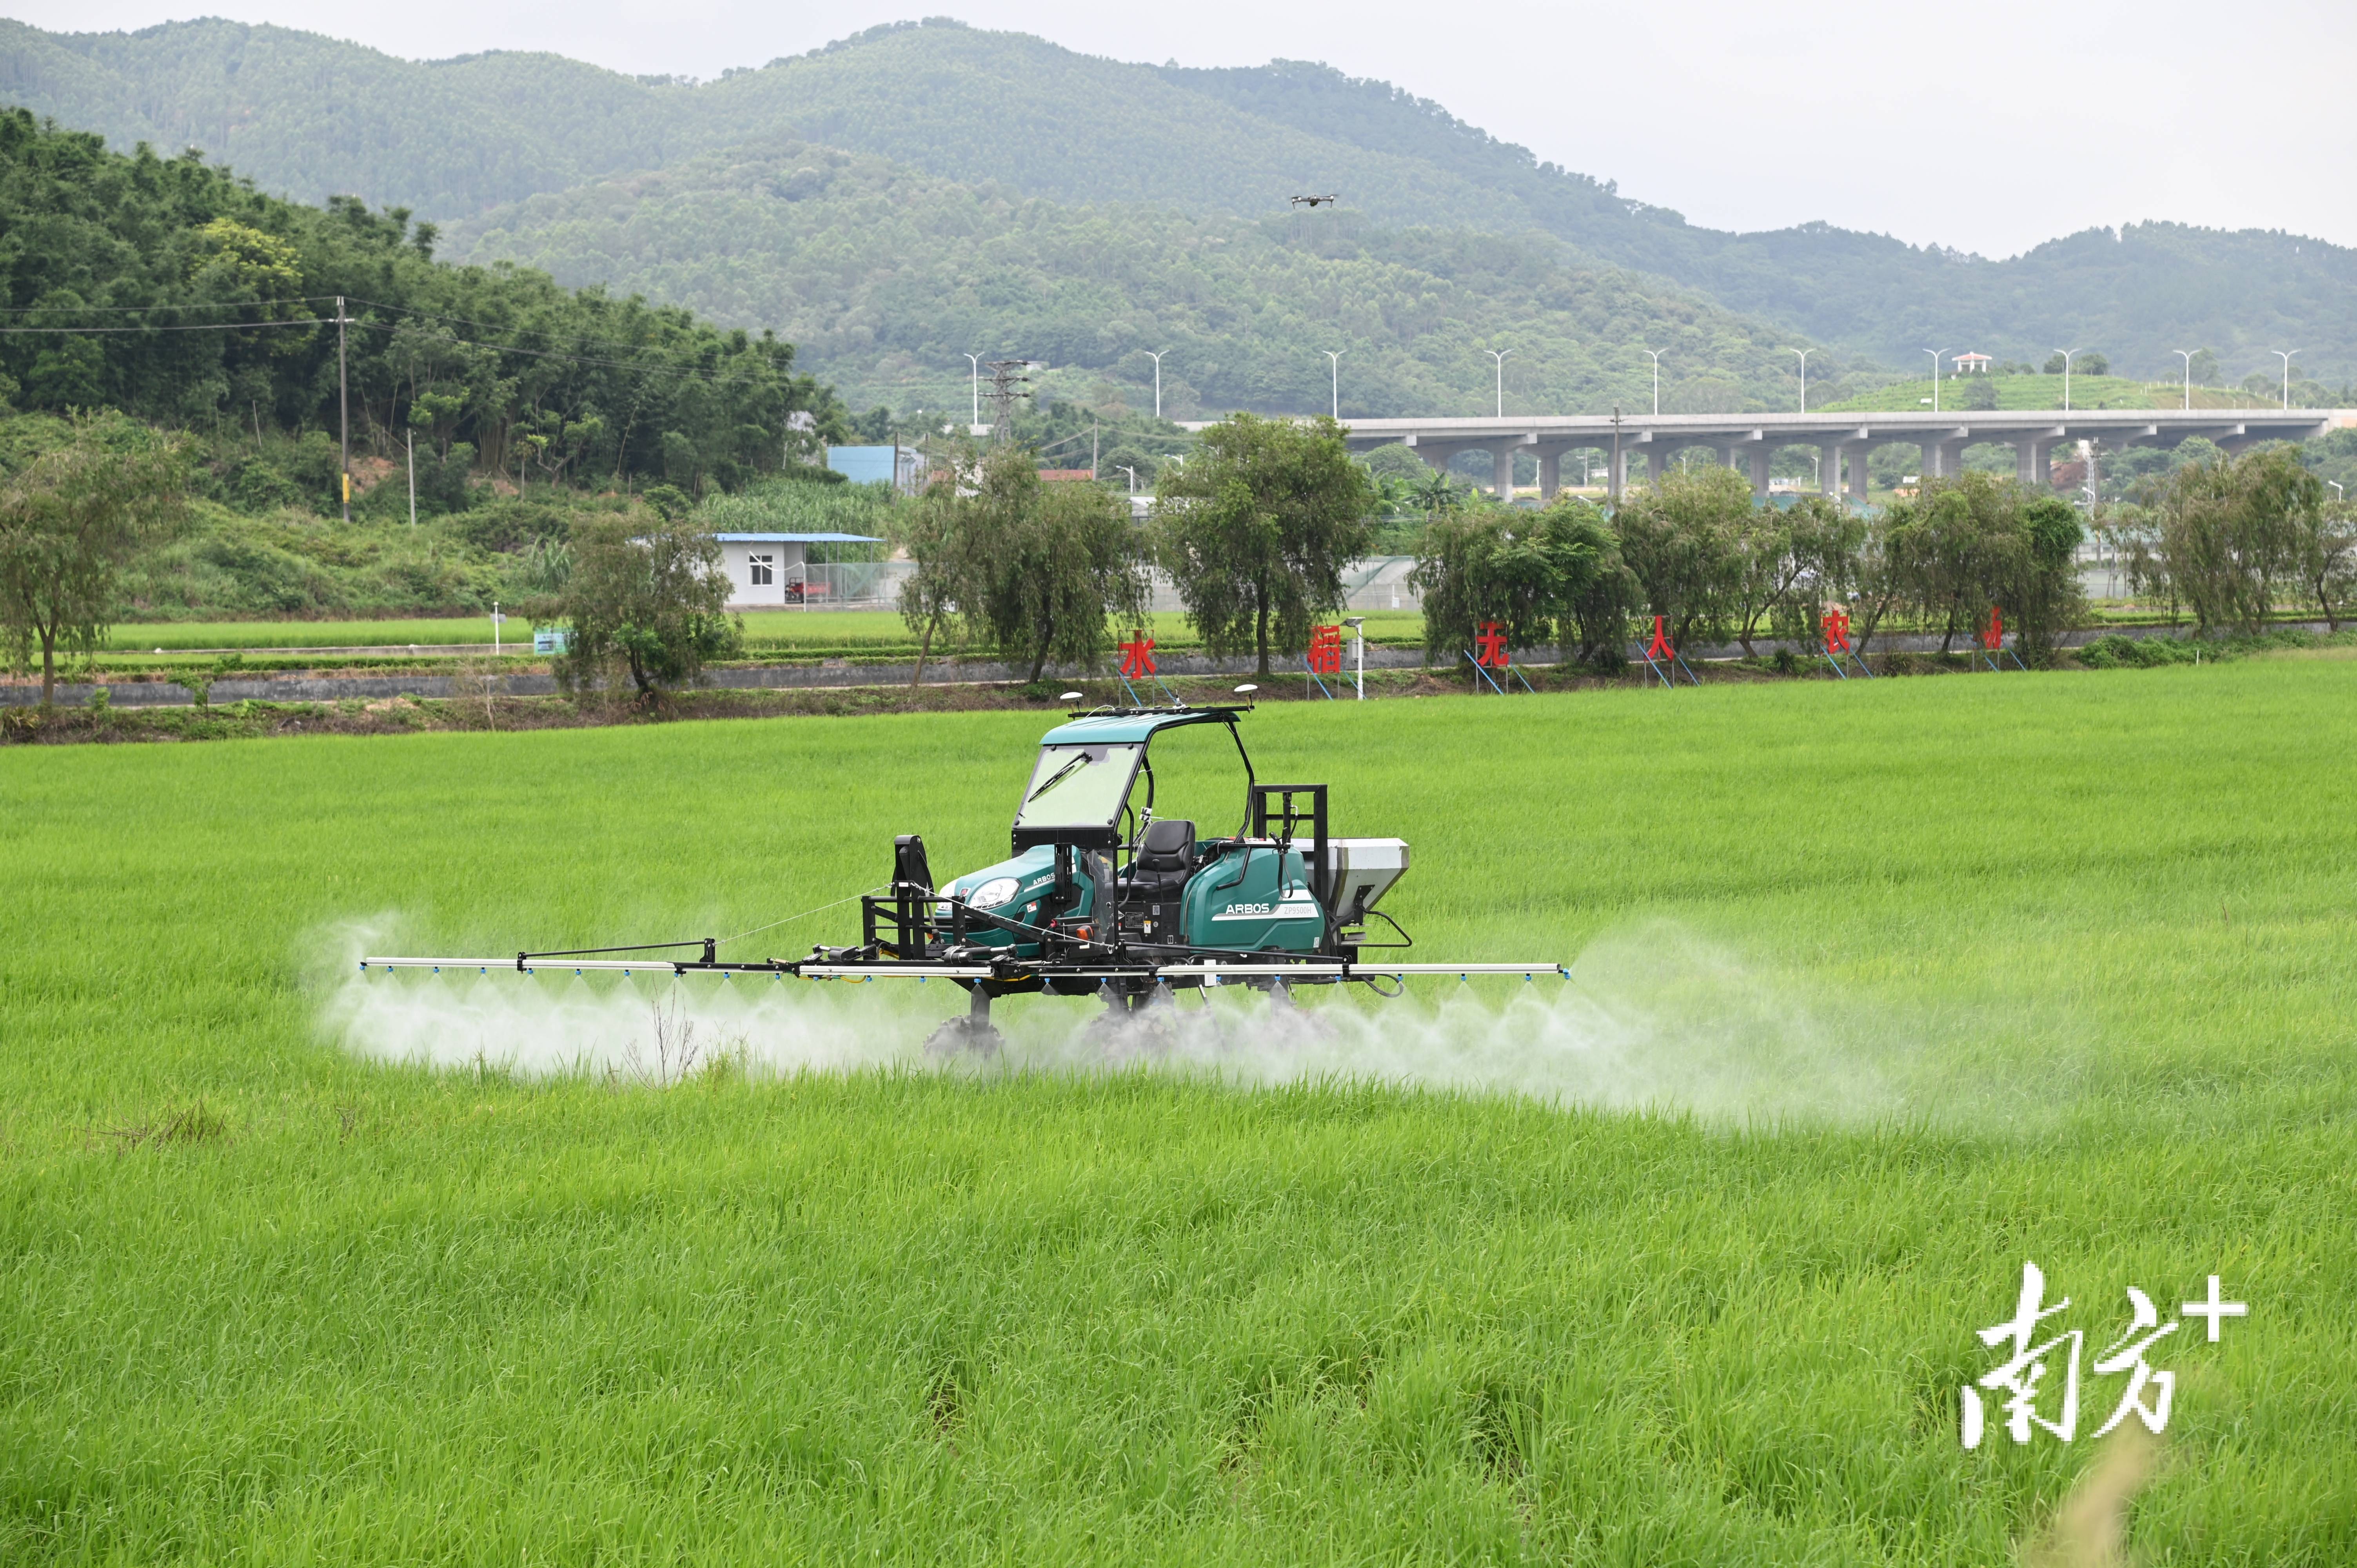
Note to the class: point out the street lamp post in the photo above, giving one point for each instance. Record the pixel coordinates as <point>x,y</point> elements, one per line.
<point>1158,378</point>
<point>1334,364</point>
<point>2066,354</point>
<point>977,390</point>
<point>2188,357</point>
<point>1657,379</point>
<point>1935,354</point>
<point>1612,475</point>
<point>1501,358</point>
<point>2337,492</point>
<point>1804,378</point>
<point>2285,355</point>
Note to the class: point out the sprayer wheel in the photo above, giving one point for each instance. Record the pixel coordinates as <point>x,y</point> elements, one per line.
<point>960,1036</point>
<point>1123,1036</point>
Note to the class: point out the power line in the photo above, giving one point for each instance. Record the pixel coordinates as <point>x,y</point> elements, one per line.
<point>614,344</point>
<point>185,305</point>
<point>197,327</point>
<point>640,367</point>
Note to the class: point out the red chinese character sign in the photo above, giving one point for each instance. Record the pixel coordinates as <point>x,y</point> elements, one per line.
<point>1492,659</point>
<point>1838,653</point>
<point>1661,657</point>
<point>1992,642</point>
<point>1326,650</point>
<point>1137,657</point>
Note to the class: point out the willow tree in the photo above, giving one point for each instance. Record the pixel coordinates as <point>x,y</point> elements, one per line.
<point>70,520</point>
<point>646,596</point>
<point>1035,570</point>
<point>1257,526</point>
<point>1550,575</point>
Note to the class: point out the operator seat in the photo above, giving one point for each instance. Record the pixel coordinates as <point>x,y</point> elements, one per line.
<point>1166,859</point>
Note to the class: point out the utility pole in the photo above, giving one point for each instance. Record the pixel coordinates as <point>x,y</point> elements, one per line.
<point>1092,449</point>
<point>1612,480</point>
<point>1804,378</point>
<point>1334,364</point>
<point>344,409</point>
<point>413,480</point>
<point>2285,355</point>
<point>978,387</point>
<point>2188,357</point>
<point>1935,354</point>
<point>1158,378</point>
<point>1657,379</point>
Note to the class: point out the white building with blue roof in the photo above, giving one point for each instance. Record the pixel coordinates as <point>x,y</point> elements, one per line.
<point>768,571</point>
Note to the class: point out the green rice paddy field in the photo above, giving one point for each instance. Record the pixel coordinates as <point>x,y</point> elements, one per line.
<point>1879,991</point>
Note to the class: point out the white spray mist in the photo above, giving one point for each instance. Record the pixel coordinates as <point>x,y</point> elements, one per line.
<point>1652,1017</point>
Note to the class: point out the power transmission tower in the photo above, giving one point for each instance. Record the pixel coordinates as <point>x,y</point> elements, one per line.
<point>1006,384</point>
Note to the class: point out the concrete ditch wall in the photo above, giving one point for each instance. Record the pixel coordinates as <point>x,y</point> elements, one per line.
<point>301,688</point>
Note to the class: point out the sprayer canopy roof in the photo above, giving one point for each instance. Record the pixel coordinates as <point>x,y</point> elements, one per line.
<point>1099,729</point>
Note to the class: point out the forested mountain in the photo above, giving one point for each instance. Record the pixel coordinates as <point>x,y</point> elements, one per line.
<point>173,290</point>
<point>312,117</point>
<point>886,278</point>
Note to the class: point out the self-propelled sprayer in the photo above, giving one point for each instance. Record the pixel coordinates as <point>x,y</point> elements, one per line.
<point>1099,897</point>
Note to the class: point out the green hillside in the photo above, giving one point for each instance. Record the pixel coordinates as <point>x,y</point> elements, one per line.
<point>2029,391</point>
<point>309,117</point>
<point>317,117</point>
<point>174,291</point>
<point>886,278</point>
<point>2020,393</point>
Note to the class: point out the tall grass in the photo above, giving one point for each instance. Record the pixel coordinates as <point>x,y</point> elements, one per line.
<point>2088,934</point>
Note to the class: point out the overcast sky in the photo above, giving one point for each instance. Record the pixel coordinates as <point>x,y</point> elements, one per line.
<point>1989,126</point>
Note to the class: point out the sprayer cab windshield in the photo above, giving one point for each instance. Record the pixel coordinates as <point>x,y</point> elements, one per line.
<point>1101,896</point>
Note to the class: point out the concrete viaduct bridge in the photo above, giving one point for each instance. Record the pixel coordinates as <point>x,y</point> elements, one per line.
<point>1841,440</point>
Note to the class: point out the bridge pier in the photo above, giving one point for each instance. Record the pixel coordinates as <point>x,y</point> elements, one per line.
<point>2033,458</point>
<point>1551,458</point>
<point>1501,463</point>
<point>1943,459</point>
